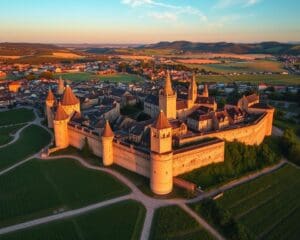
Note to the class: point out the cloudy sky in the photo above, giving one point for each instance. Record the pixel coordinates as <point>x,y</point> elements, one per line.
<point>147,21</point>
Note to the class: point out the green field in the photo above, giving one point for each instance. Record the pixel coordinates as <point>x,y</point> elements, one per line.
<point>77,77</point>
<point>173,223</point>
<point>268,206</point>
<point>6,132</point>
<point>16,116</point>
<point>123,220</point>
<point>40,188</point>
<point>240,67</point>
<point>268,79</point>
<point>32,139</point>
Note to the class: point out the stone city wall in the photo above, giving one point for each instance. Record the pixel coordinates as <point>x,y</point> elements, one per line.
<point>193,157</point>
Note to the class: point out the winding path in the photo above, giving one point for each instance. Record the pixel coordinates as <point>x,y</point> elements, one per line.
<point>150,203</point>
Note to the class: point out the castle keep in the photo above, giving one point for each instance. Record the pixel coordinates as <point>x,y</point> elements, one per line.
<point>185,132</point>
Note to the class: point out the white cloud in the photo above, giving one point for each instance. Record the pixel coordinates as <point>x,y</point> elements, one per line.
<point>177,10</point>
<point>230,3</point>
<point>163,16</point>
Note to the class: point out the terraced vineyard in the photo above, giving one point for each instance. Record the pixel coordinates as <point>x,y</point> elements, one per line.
<point>269,206</point>
<point>123,220</point>
<point>40,188</point>
<point>173,223</point>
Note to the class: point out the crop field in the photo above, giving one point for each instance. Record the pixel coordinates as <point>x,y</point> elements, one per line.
<point>6,132</point>
<point>255,79</point>
<point>40,188</point>
<point>32,139</point>
<point>268,206</point>
<point>78,77</point>
<point>123,220</point>
<point>239,67</point>
<point>15,116</point>
<point>174,223</point>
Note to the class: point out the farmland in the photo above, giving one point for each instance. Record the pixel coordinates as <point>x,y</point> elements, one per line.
<point>77,77</point>
<point>16,116</point>
<point>173,223</point>
<point>123,219</point>
<point>32,139</point>
<point>251,78</point>
<point>40,188</point>
<point>240,67</point>
<point>269,206</point>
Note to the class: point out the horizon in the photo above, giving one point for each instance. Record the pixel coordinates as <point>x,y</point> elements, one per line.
<point>149,21</point>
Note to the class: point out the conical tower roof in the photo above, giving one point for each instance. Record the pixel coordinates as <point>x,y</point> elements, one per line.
<point>50,96</point>
<point>107,132</point>
<point>168,85</point>
<point>60,113</point>
<point>69,98</point>
<point>162,122</point>
<point>61,86</point>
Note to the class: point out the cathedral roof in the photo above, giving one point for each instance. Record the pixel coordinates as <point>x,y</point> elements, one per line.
<point>162,121</point>
<point>50,96</point>
<point>60,113</point>
<point>69,98</point>
<point>107,132</point>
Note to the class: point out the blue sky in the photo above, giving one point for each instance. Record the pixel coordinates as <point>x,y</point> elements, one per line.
<point>147,21</point>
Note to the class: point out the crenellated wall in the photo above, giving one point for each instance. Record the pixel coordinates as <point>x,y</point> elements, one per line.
<point>251,134</point>
<point>193,157</point>
<point>77,138</point>
<point>131,158</point>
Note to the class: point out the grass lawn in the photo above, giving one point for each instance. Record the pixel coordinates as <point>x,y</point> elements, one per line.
<point>32,139</point>
<point>40,188</point>
<point>6,132</point>
<point>286,124</point>
<point>269,206</point>
<point>14,116</point>
<point>123,220</point>
<point>268,79</point>
<point>173,223</point>
<point>83,76</point>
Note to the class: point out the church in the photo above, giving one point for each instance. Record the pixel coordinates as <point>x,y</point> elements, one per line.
<point>184,132</point>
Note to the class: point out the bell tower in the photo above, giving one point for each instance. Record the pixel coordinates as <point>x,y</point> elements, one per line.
<point>167,99</point>
<point>161,165</point>
<point>193,92</point>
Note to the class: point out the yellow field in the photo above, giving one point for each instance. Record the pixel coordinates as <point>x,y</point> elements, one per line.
<point>9,57</point>
<point>66,55</point>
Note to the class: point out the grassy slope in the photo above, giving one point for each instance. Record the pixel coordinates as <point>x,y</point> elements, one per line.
<point>173,223</point>
<point>269,206</point>
<point>40,188</point>
<point>14,116</point>
<point>6,132</point>
<point>119,221</point>
<point>32,139</point>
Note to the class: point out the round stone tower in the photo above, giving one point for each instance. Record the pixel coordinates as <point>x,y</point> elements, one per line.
<point>161,165</point>
<point>50,101</point>
<point>107,145</point>
<point>61,127</point>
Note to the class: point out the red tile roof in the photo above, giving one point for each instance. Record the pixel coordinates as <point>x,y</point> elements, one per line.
<point>107,132</point>
<point>162,121</point>
<point>69,98</point>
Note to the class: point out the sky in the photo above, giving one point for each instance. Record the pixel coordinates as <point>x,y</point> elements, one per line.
<point>149,21</point>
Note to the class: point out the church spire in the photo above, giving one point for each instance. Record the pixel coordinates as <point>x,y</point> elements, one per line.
<point>193,92</point>
<point>168,85</point>
<point>205,91</point>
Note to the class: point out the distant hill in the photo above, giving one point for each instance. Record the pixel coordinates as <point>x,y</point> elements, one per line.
<point>36,53</point>
<point>274,48</point>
